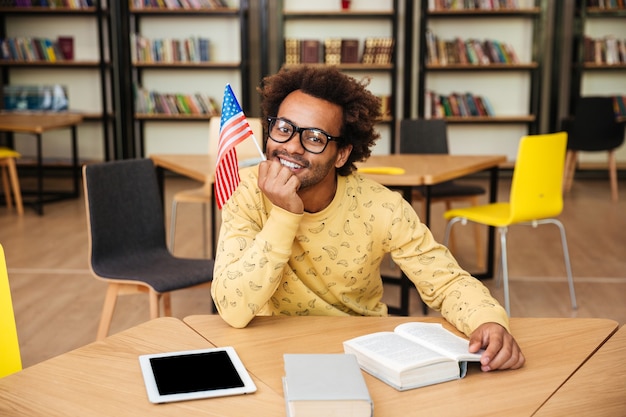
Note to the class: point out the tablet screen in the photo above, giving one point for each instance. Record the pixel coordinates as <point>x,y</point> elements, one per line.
<point>194,372</point>
<point>177,376</point>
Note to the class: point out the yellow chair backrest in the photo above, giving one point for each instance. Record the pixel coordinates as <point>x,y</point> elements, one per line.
<point>246,149</point>
<point>10,359</point>
<point>537,185</point>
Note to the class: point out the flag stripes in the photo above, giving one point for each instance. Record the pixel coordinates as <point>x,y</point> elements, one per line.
<point>234,128</point>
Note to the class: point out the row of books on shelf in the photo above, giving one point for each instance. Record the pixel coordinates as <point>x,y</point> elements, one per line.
<point>177,4</point>
<point>152,102</point>
<point>193,49</point>
<point>472,4</point>
<point>335,51</point>
<point>608,50</point>
<point>37,49</point>
<point>67,4</point>
<point>607,4</point>
<point>468,51</point>
<point>35,97</point>
<point>456,104</point>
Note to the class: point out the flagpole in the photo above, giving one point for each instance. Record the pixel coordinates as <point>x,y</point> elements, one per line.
<point>259,148</point>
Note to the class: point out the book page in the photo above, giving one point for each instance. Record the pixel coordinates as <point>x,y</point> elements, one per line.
<point>393,351</point>
<point>436,337</point>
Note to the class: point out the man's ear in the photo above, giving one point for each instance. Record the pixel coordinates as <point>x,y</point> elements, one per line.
<point>342,155</point>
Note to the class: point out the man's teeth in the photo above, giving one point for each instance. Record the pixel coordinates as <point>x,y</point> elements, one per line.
<point>290,164</point>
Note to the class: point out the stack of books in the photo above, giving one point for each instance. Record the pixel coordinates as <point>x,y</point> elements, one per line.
<point>178,4</point>
<point>35,97</point>
<point>469,51</point>
<point>335,51</point>
<point>68,4</point>
<point>472,4</point>
<point>194,49</point>
<point>152,102</point>
<point>456,105</point>
<point>36,49</point>
<point>607,50</point>
<point>378,51</point>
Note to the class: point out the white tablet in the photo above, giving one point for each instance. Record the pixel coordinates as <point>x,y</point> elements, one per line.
<point>194,374</point>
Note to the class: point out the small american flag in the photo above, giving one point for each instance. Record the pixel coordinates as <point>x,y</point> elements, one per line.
<point>234,128</point>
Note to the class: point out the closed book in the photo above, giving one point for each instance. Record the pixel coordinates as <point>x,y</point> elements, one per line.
<point>292,51</point>
<point>332,51</point>
<point>325,385</point>
<point>349,51</point>
<point>310,51</point>
<point>66,45</point>
<point>368,51</point>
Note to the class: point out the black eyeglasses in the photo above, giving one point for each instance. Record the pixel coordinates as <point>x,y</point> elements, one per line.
<point>313,140</point>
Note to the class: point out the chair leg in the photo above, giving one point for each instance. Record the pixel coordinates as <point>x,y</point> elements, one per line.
<point>451,222</point>
<point>450,243</point>
<point>570,168</point>
<point>173,226</point>
<point>568,265</point>
<point>5,184</point>
<point>505,269</point>
<point>447,240</point>
<point>15,184</point>
<point>110,300</point>
<point>167,304</point>
<point>480,254</point>
<point>503,256</point>
<point>613,175</point>
<point>155,299</point>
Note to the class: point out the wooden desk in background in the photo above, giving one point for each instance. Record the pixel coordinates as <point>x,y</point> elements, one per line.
<point>36,124</point>
<point>598,388</point>
<point>419,169</point>
<point>554,350</point>
<point>104,379</point>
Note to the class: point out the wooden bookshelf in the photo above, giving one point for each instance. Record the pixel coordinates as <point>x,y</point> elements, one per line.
<point>503,83</point>
<point>67,21</point>
<point>298,17</point>
<point>174,77</point>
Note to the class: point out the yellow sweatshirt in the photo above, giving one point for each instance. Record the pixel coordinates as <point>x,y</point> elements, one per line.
<point>270,261</point>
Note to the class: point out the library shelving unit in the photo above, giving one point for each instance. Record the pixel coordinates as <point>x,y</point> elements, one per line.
<point>88,71</point>
<point>594,73</point>
<point>322,20</point>
<point>513,89</point>
<point>226,29</point>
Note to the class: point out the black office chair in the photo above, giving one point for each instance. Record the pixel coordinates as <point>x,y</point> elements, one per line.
<point>594,128</point>
<point>127,243</point>
<point>430,136</point>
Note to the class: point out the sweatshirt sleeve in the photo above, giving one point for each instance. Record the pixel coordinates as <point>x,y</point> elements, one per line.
<point>442,284</point>
<point>250,256</point>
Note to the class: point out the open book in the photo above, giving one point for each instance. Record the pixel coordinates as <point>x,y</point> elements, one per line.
<point>413,355</point>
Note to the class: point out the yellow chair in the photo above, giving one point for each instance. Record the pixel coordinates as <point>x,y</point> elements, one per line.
<point>247,152</point>
<point>9,174</point>
<point>536,197</point>
<point>10,359</point>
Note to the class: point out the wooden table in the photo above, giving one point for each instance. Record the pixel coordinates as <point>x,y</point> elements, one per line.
<point>598,388</point>
<point>104,379</point>
<point>554,350</point>
<point>37,124</point>
<point>419,169</point>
